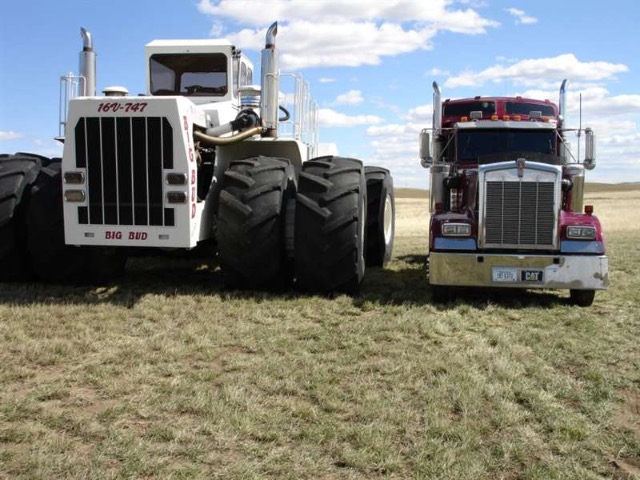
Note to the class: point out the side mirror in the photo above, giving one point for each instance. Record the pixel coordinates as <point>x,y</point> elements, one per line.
<point>426,160</point>
<point>589,149</point>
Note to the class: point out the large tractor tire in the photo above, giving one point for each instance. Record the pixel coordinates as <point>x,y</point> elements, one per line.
<point>51,259</point>
<point>251,223</point>
<point>380,216</point>
<point>17,174</point>
<point>330,224</point>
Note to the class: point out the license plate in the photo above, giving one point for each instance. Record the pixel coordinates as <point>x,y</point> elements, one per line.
<point>515,275</point>
<point>504,275</point>
<point>531,276</point>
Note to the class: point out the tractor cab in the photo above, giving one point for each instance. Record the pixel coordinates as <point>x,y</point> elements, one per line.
<point>205,71</point>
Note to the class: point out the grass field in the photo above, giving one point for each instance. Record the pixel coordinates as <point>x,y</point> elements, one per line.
<point>167,375</point>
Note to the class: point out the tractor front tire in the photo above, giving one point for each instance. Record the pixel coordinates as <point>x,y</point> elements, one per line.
<point>251,223</point>
<point>51,259</point>
<point>380,216</point>
<point>330,224</point>
<point>17,174</point>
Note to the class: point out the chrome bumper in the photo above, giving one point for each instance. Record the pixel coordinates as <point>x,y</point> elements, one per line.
<point>584,272</point>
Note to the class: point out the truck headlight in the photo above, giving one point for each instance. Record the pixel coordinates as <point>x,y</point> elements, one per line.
<point>580,232</point>
<point>456,229</point>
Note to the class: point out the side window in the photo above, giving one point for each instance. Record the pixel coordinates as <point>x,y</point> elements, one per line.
<point>243,74</point>
<point>249,76</point>
<point>236,63</point>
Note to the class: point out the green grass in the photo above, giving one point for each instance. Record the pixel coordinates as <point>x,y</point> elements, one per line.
<point>167,375</point>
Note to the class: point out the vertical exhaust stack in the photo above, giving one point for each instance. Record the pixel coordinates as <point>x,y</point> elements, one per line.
<point>270,84</point>
<point>562,100</point>
<point>88,63</point>
<point>437,109</point>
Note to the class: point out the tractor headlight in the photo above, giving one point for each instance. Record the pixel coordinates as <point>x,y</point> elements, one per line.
<point>73,178</point>
<point>177,197</point>
<point>456,229</point>
<point>176,178</point>
<point>581,232</point>
<point>77,196</point>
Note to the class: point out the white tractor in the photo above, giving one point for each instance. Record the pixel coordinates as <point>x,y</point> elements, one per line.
<point>203,158</point>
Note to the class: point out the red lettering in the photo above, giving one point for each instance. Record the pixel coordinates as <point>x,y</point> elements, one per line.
<point>138,235</point>
<point>111,235</point>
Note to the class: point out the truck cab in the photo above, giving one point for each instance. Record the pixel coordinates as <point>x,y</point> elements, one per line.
<point>506,199</point>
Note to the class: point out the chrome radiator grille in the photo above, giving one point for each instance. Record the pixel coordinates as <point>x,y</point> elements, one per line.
<point>519,214</point>
<point>124,158</point>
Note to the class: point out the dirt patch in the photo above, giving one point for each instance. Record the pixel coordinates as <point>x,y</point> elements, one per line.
<point>627,417</point>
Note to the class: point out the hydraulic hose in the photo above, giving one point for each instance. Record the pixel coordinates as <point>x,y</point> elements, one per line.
<point>214,141</point>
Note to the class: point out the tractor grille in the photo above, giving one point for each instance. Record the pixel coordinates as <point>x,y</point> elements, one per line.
<point>124,158</point>
<point>519,214</point>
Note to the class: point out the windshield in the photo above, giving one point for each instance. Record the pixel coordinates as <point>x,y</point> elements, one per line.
<point>189,74</point>
<point>487,146</point>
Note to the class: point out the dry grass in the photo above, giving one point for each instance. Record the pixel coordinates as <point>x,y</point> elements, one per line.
<point>167,375</point>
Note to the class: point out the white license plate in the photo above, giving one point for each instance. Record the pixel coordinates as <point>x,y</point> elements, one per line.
<point>504,274</point>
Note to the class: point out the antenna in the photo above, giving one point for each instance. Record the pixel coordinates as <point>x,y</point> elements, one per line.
<point>579,126</point>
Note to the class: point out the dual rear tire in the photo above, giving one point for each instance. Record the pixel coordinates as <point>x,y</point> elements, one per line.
<point>342,221</point>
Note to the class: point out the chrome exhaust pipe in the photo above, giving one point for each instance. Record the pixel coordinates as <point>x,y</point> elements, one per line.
<point>88,64</point>
<point>270,84</point>
<point>437,108</point>
<point>562,101</point>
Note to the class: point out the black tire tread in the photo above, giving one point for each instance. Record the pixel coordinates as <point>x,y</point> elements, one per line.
<point>328,254</point>
<point>250,231</point>
<point>51,259</point>
<point>17,174</point>
<point>379,184</point>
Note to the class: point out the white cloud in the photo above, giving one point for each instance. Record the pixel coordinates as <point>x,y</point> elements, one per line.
<point>529,72</point>
<point>352,97</point>
<point>520,16</point>
<point>326,80</point>
<point>331,118</point>
<point>338,33</point>
<point>9,135</point>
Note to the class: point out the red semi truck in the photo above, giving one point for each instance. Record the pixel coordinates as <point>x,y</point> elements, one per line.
<point>506,199</point>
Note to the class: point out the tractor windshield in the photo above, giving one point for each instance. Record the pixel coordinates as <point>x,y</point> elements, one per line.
<point>489,146</point>
<point>189,74</point>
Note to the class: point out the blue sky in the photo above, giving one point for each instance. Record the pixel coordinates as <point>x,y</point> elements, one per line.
<point>370,63</point>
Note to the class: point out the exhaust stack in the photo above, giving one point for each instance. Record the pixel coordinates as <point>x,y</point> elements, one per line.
<point>437,109</point>
<point>270,84</point>
<point>88,64</point>
<point>562,101</point>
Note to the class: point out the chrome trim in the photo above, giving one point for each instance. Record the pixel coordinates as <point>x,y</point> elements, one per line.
<point>560,271</point>
<point>507,173</point>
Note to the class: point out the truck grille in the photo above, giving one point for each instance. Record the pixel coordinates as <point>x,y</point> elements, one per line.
<point>519,214</point>
<point>124,158</point>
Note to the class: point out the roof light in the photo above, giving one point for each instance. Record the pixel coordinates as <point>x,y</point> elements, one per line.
<point>464,119</point>
<point>494,117</point>
<point>517,118</point>
<point>505,118</point>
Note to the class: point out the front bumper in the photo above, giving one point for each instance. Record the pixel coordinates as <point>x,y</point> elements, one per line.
<point>579,272</point>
